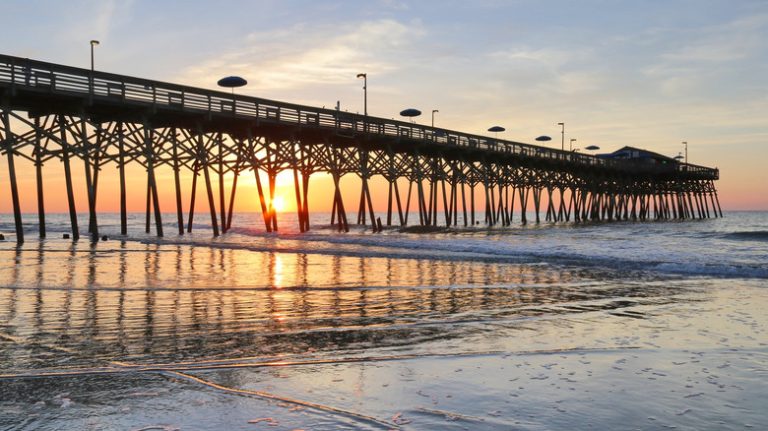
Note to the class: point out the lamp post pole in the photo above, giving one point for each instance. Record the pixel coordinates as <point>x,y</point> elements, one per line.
<point>686,151</point>
<point>93,43</point>
<point>562,135</point>
<point>365,91</point>
<point>433,116</point>
<point>571,144</point>
<point>90,79</point>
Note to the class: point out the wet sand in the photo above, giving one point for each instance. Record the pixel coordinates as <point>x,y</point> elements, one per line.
<point>141,336</point>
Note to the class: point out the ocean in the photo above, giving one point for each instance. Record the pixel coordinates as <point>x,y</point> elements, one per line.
<point>623,325</point>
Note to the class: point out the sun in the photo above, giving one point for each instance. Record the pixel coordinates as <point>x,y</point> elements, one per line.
<point>278,203</point>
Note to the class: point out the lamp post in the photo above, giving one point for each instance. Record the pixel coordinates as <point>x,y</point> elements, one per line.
<point>93,43</point>
<point>571,144</point>
<point>365,91</point>
<point>686,151</point>
<point>433,116</point>
<point>562,133</point>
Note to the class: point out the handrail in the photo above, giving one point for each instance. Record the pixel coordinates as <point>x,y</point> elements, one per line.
<point>54,78</point>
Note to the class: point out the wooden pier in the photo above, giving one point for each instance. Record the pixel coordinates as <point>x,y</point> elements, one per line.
<point>89,120</point>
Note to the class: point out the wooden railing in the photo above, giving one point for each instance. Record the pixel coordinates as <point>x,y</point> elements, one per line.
<point>20,73</point>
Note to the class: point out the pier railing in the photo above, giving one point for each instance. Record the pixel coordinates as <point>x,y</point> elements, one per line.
<point>36,77</point>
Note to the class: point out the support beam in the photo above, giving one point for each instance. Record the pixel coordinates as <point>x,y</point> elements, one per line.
<point>202,156</point>
<point>121,170</point>
<point>10,140</point>
<point>89,184</point>
<point>176,180</point>
<point>150,154</point>
<point>68,178</point>
<point>39,177</point>
<point>222,203</point>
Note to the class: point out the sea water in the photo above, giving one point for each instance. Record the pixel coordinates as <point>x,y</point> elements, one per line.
<point>625,325</point>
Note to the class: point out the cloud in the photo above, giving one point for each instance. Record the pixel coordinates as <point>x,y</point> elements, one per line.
<point>550,57</point>
<point>303,55</point>
<point>727,42</point>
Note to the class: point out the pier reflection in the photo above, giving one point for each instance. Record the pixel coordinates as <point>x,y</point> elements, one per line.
<point>152,303</point>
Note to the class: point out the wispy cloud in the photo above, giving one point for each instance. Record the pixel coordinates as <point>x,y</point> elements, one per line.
<point>304,55</point>
<point>726,42</point>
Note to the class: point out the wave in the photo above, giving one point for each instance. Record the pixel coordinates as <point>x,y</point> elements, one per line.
<point>456,247</point>
<point>754,235</point>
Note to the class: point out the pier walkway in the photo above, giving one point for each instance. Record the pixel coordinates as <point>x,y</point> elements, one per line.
<point>52,112</point>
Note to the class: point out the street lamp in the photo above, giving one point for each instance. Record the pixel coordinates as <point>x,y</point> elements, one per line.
<point>562,132</point>
<point>365,91</point>
<point>686,151</point>
<point>433,116</point>
<point>93,43</point>
<point>571,144</point>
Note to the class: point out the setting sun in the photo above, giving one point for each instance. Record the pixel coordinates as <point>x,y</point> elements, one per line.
<point>278,203</point>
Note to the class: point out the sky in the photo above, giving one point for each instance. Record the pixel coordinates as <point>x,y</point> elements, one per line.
<point>649,74</point>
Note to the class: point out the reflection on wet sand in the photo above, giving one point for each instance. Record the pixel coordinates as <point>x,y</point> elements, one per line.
<point>149,303</point>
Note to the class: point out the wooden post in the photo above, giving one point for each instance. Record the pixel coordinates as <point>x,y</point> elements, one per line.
<point>453,200</point>
<point>502,213</point>
<point>717,200</point>
<point>92,227</point>
<point>208,189</point>
<point>121,169</point>
<point>712,198</point>
<point>96,170</point>
<point>399,205</point>
<point>472,202</point>
<point>361,206</point>
<point>255,166</point>
<point>370,208</point>
<point>342,214</point>
<point>420,200</point>
<point>148,132</point>
<point>446,207</point>
<point>433,198</point>
<point>408,202</point>
<point>297,188</point>
<point>220,139</point>
<point>272,176</point>
<point>68,179</point>
<point>39,178</point>
<point>464,204</point>
<point>148,219</point>
<point>9,151</point>
<point>511,205</point>
<point>177,181</point>
<point>193,193</point>
<point>333,210</point>
<point>236,172</point>
<point>305,184</point>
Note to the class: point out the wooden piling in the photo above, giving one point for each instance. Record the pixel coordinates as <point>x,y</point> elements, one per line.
<point>177,180</point>
<point>222,203</point>
<point>121,170</point>
<point>10,139</point>
<point>193,194</point>
<point>265,214</point>
<point>85,145</point>
<point>150,155</point>
<point>272,177</point>
<point>39,178</point>
<point>68,178</point>
<point>236,173</point>
<point>299,204</point>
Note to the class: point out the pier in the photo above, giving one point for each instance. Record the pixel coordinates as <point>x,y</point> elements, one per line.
<point>88,120</point>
